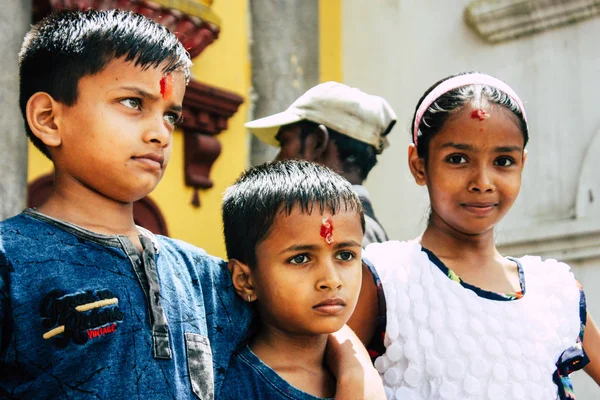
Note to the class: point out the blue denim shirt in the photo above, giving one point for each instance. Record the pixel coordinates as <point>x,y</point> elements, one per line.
<point>85,315</point>
<point>249,378</point>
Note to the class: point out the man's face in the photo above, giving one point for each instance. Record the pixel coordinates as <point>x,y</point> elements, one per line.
<point>116,138</point>
<point>290,141</point>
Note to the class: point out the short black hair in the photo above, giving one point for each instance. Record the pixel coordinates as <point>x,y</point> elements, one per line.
<point>68,45</point>
<point>265,191</point>
<point>452,102</point>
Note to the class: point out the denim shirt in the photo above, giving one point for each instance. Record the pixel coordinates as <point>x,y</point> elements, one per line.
<point>249,378</point>
<point>85,315</point>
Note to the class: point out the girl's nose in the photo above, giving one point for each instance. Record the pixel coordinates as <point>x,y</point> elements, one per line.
<point>482,182</point>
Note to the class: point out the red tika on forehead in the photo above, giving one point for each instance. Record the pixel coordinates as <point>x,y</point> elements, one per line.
<point>479,113</point>
<point>166,86</point>
<point>327,230</point>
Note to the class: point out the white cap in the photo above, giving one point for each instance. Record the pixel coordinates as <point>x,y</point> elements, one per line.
<point>342,108</point>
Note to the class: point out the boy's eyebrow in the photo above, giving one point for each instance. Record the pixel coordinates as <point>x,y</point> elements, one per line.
<point>304,247</point>
<point>299,247</point>
<point>146,95</point>
<point>140,92</point>
<point>349,243</point>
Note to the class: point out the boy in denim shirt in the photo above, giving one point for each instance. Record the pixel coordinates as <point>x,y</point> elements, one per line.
<point>293,231</point>
<point>91,305</point>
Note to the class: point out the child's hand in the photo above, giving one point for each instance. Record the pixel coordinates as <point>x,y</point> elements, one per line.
<point>350,363</point>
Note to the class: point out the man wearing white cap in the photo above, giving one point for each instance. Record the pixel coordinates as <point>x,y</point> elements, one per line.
<point>338,126</point>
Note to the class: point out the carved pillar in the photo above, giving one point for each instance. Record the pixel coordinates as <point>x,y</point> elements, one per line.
<point>283,66</point>
<point>14,19</point>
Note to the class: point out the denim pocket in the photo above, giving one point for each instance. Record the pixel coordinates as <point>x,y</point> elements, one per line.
<point>200,368</point>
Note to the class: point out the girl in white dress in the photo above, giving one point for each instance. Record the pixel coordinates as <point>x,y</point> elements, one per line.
<point>447,316</point>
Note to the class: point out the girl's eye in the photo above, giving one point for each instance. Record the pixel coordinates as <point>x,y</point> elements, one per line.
<point>171,118</point>
<point>504,162</point>
<point>132,103</point>
<point>345,256</point>
<point>456,159</point>
<point>299,259</point>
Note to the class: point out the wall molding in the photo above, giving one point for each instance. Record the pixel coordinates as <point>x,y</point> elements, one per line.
<point>502,20</point>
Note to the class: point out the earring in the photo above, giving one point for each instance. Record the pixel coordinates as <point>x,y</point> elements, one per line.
<point>249,298</point>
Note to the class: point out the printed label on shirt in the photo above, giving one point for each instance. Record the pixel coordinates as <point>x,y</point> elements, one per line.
<point>79,316</point>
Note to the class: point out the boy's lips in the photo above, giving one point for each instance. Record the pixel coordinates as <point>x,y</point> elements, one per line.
<point>330,306</point>
<point>152,159</point>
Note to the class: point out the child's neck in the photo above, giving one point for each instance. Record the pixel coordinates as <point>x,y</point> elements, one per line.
<point>474,258</point>
<point>297,359</point>
<point>90,210</point>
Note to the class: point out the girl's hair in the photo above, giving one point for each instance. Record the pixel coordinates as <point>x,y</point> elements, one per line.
<point>455,100</point>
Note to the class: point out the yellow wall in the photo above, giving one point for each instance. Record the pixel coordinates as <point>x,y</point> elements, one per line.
<point>225,64</point>
<point>330,38</point>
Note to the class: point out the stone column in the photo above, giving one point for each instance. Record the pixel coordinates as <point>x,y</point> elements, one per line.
<point>285,59</point>
<point>15,20</point>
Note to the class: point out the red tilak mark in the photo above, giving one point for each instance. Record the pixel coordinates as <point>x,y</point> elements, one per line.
<point>479,113</point>
<point>166,86</point>
<point>327,230</point>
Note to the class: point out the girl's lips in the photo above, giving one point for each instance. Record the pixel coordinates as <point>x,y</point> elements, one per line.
<point>480,209</point>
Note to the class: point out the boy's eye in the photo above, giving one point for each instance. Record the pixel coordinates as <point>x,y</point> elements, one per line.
<point>171,118</point>
<point>456,159</point>
<point>345,256</point>
<point>132,103</point>
<point>299,259</point>
<point>504,162</point>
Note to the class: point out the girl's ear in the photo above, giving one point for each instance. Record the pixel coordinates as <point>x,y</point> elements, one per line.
<point>42,112</point>
<point>241,275</point>
<point>417,166</point>
<point>524,156</point>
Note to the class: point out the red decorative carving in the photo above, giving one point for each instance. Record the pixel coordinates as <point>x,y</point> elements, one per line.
<point>206,110</point>
<point>194,32</point>
<point>146,212</point>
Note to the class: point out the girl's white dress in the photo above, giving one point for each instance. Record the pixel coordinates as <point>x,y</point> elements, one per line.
<point>443,341</point>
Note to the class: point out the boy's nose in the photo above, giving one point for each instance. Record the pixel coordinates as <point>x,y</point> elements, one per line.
<point>158,133</point>
<point>330,278</point>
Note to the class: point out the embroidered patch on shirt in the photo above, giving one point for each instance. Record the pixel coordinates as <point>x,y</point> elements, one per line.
<point>80,316</point>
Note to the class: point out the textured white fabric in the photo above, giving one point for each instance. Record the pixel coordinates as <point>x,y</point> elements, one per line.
<point>445,342</point>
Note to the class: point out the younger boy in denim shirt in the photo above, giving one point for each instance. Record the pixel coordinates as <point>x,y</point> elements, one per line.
<point>293,231</point>
<point>91,305</point>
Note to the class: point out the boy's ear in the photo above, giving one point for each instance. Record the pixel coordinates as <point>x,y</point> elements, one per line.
<point>417,166</point>
<point>41,113</point>
<point>241,275</point>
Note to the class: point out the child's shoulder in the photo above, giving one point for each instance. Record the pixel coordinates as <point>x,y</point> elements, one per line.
<point>183,249</point>
<point>395,254</point>
<point>536,265</point>
<point>16,229</point>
